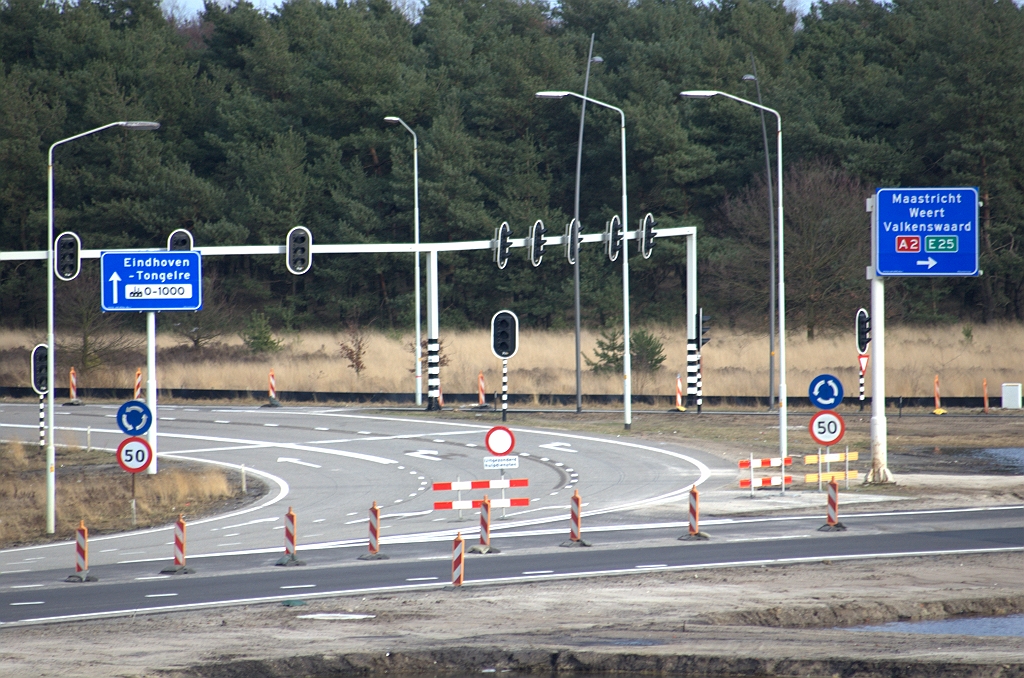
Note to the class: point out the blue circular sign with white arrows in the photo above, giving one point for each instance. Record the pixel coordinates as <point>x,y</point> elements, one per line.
<point>825,392</point>
<point>134,418</point>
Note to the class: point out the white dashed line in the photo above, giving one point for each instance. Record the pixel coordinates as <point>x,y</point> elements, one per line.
<point>28,586</point>
<point>299,586</point>
<point>539,572</point>
<point>32,602</point>
<point>421,579</point>
<point>161,595</point>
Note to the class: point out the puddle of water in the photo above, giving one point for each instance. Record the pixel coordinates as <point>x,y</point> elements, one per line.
<point>962,460</point>
<point>1012,625</point>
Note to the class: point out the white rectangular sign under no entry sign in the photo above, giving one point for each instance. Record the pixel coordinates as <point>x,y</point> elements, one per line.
<point>492,463</point>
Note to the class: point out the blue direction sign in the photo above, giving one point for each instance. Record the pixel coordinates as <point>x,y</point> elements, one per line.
<point>134,418</point>
<point>926,232</point>
<point>825,392</point>
<point>151,281</point>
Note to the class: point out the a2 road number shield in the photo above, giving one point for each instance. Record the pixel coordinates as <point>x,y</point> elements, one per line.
<point>827,428</point>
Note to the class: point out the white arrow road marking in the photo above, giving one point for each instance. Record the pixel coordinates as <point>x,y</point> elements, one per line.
<point>558,447</point>
<point>429,455</point>
<point>929,262</point>
<point>293,460</point>
<point>115,278</point>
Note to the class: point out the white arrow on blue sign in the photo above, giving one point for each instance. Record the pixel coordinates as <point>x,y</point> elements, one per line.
<point>926,232</point>
<point>134,418</point>
<point>825,392</point>
<point>151,281</point>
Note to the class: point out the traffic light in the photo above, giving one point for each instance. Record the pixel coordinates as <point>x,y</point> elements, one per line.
<point>863,331</point>
<point>572,241</point>
<point>647,234</point>
<point>67,260</point>
<point>39,371</point>
<point>537,242</point>
<point>180,241</point>
<point>502,235</point>
<point>504,334</point>
<point>299,258</point>
<point>703,323</point>
<point>614,245</point>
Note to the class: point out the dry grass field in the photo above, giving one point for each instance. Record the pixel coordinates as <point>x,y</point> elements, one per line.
<point>735,363</point>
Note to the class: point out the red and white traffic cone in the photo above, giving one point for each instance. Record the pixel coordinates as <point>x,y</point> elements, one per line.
<point>374,539</point>
<point>458,560</point>
<point>138,384</point>
<point>679,393</point>
<point>832,523</point>
<point>575,525</point>
<point>289,558</point>
<point>81,573</point>
<point>694,532</point>
<point>73,388</point>
<point>179,550</point>
<point>485,529</point>
<point>272,391</point>
<point>481,393</point>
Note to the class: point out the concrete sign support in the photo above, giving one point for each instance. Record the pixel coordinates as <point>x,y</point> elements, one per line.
<point>879,472</point>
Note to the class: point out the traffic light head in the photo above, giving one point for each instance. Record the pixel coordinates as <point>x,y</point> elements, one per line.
<point>67,253</point>
<point>39,369</point>
<point>647,234</point>
<point>504,334</point>
<point>299,254</point>
<point>537,242</point>
<point>572,241</point>
<point>614,245</point>
<point>703,325</point>
<point>863,331</point>
<point>502,236</point>
<point>180,240</point>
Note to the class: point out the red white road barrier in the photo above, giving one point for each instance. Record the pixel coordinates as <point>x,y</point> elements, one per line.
<point>694,531</point>
<point>179,550</point>
<point>832,523</point>
<point>272,386</point>
<point>290,538</point>
<point>81,573</point>
<point>477,503</point>
<point>773,481</point>
<point>679,393</point>
<point>481,393</point>
<point>138,384</point>
<point>575,521</point>
<point>766,463</point>
<point>482,484</point>
<point>458,560</point>
<point>485,529</point>
<point>374,539</point>
<point>72,385</point>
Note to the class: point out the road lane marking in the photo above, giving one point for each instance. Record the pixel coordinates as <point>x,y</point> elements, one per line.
<point>321,428</point>
<point>29,602</point>
<point>300,586</point>
<point>319,520</point>
<point>435,558</point>
<point>539,572</point>
<point>13,571</point>
<point>272,425</point>
<point>107,550</point>
<point>233,534</point>
<point>156,576</point>
<point>161,595</point>
<point>230,543</point>
<point>650,567</point>
<point>421,579</point>
<point>279,445</point>
<point>251,522</point>
<point>221,421</point>
<point>429,455</point>
<point>293,460</point>
<point>28,586</point>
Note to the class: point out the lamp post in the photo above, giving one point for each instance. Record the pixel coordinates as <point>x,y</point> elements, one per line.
<point>51,487</point>
<point>416,238</point>
<point>783,431</point>
<point>591,59</point>
<point>771,241</point>
<point>626,377</point>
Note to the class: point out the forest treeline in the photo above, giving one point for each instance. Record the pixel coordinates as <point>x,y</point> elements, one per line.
<point>272,119</point>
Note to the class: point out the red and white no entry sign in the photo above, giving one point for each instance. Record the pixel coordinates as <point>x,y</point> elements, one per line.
<point>134,454</point>
<point>500,441</point>
<point>827,428</point>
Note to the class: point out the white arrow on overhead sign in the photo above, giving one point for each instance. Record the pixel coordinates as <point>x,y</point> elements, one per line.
<point>293,460</point>
<point>429,455</point>
<point>929,262</point>
<point>115,278</point>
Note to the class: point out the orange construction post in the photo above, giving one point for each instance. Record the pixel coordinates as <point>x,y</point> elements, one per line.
<point>374,539</point>
<point>575,521</point>
<point>290,537</point>
<point>694,532</point>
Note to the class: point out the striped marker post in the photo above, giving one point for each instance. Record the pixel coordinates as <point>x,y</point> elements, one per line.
<point>374,538</point>
<point>485,529</point>
<point>289,558</point>
<point>42,422</point>
<point>73,387</point>
<point>81,573</point>
<point>984,394</point>
<point>832,523</point>
<point>138,384</point>
<point>179,550</point>
<point>679,393</point>
<point>694,532</point>
<point>272,400</point>
<point>433,372</point>
<point>575,523</point>
<point>481,393</point>
<point>938,402</point>
<point>458,560</point>
<point>504,390</point>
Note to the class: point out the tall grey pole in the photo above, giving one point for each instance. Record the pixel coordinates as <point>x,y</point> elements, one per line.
<point>151,385</point>
<point>771,243</point>
<point>576,216</point>
<point>879,472</point>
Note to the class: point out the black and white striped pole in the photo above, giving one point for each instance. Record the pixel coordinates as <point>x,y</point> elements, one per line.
<point>38,369</point>
<point>504,345</point>
<point>433,341</point>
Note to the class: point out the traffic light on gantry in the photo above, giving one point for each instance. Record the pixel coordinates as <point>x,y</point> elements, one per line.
<point>863,331</point>
<point>614,234</point>
<point>703,325</point>
<point>67,256</point>
<point>180,241</point>
<point>572,241</point>
<point>504,334</point>
<point>299,254</point>
<point>647,234</point>
<point>39,369</point>
<point>537,242</point>
<point>502,237</point>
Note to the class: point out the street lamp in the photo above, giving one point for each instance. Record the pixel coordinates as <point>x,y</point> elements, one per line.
<point>51,487</point>
<point>626,377</point>
<point>783,431</point>
<point>393,120</point>
<point>771,242</point>
<point>591,59</point>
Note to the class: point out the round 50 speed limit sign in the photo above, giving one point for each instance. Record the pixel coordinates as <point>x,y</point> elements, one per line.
<point>827,428</point>
<point>134,454</point>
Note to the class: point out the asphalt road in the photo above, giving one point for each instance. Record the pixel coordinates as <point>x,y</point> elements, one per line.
<point>329,464</point>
